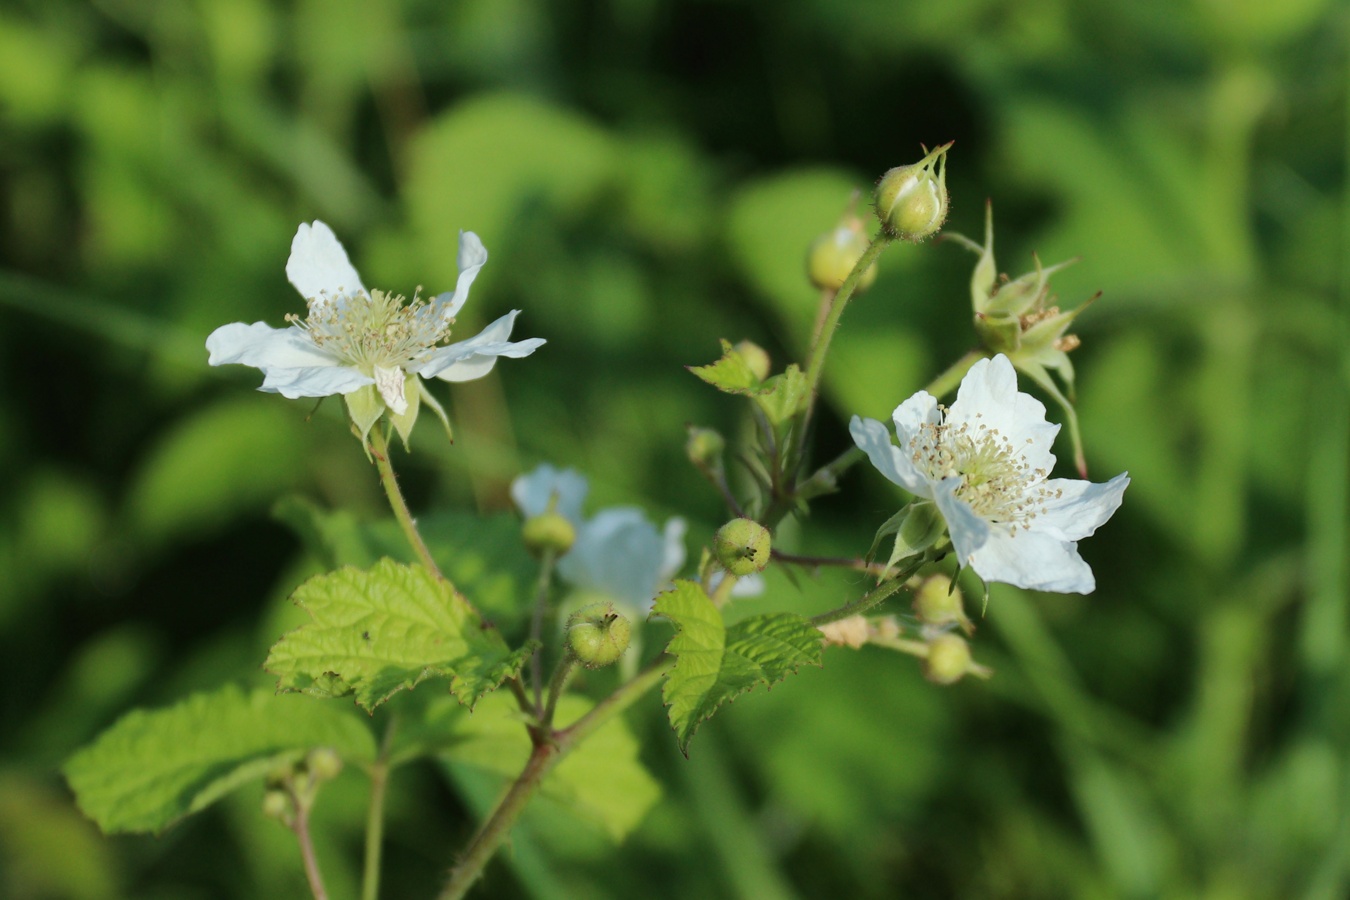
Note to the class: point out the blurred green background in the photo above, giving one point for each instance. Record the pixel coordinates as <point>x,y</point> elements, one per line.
<point>646,175</point>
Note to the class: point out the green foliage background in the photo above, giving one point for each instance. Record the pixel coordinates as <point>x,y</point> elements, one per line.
<point>646,175</point>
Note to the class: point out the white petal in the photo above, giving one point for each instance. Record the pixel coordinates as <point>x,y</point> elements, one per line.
<point>618,553</point>
<point>319,381</point>
<point>318,265</point>
<point>1081,508</point>
<point>475,357</point>
<point>472,256</point>
<point>746,586</point>
<point>532,492</point>
<point>389,382</point>
<point>988,396</point>
<point>874,440</point>
<point>672,559</point>
<point>969,532</point>
<point>1035,561</point>
<point>262,346</point>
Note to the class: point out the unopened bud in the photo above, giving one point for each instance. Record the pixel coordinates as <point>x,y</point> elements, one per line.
<point>851,632</point>
<point>742,547</point>
<point>549,531</point>
<point>598,635</point>
<point>948,659</point>
<point>937,602</point>
<point>277,804</point>
<point>705,446</point>
<point>756,359</point>
<point>323,763</point>
<point>911,201</point>
<point>834,254</point>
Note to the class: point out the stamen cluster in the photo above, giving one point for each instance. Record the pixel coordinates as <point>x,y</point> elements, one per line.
<point>378,329</point>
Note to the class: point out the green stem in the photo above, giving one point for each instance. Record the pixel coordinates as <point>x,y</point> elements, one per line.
<point>871,599</point>
<point>537,623</point>
<point>561,674</point>
<point>379,781</point>
<point>547,753</point>
<point>815,562</point>
<point>947,382</point>
<point>312,872</point>
<point>820,348</point>
<point>379,449</point>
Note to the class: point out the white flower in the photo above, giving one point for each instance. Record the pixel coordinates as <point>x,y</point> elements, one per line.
<point>986,464</point>
<point>353,337</point>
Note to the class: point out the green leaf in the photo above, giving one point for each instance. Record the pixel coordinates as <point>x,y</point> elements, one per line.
<point>381,631</point>
<point>715,664</point>
<point>152,768</point>
<point>731,374</point>
<point>783,396</point>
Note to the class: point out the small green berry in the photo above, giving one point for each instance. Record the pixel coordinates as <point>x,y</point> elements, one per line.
<point>598,635</point>
<point>705,446</point>
<point>323,763</point>
<point>742,547</point>
<point>938,602</point>
<point>834,254</point>
<point>548,531</point>
<point>948,659</point>
<point>277,804</point>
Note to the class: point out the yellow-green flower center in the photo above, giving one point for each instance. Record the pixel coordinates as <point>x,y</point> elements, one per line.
<point>375,330</point>
<point>997,480</point>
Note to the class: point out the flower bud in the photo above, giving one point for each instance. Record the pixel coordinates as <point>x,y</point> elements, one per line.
<point>323,763</point>
<point>911,201</point>
<point>948,659</point>
<point>277,804</point>
<point>937,602</point>
<point>742,547</point>
<point>756,359</point>
<point>705,446</point>
<point>598,635</point>
<point>834,254</point>
<point>549,531</point>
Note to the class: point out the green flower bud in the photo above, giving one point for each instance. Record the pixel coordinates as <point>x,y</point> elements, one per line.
<point>911,201</point>
<point>834,254</point>
<point>277,805</point>
<point>742,547</point>
<point>323,763</point>
<point>756,359</point>
<point>598,635</point>
<point>937,602</point>
<point>548,531</point>
<point>948,659</point>
<point>705,446</point>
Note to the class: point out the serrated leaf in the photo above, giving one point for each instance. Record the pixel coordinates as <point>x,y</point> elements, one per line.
<point>153,767</point>
<point>731,374</point>
<point>387,629</point>
<point>715,664</point>
<point>783,396</point>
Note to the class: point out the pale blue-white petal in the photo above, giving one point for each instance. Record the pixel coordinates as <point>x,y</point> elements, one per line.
<point>618,553</point>
<point>318,381</point>
<point>988,398</point>
<point>1035,561</point>
<point>472,256</point>
<point>262,346</point>
<point>751,585</point>
<point>968,531</point>
<point>874,439</point>
<point>318,266</point>
<point>674,552</point>
<point>475,357</point>
<point>1081,507</point>
<point>533,491</point>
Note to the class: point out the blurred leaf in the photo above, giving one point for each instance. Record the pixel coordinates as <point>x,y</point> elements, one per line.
<point>385,630</point>
<point>478,165</point>
<point>730,374</point>
<point>209,467</point>
<point>46,849</point>
<point>152,768</point>
<point>601,782</point>
<point>716,664</point>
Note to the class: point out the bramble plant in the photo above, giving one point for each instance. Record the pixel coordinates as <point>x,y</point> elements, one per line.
<point>434,676</point>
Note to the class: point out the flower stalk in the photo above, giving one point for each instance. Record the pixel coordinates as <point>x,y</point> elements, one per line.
<point>379,450</point>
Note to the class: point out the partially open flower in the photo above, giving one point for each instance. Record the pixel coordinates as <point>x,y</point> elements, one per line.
<point>373,347</point>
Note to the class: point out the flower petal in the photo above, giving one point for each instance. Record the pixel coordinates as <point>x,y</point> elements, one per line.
<point>315,381</point>
<point>1081,508</point>
<point>389,382</point>
<point>968,531</point>
<point>618,553</point>
<point>1033,560</point>
<point>475,357</point>
<point>988,397</point>
<point>472,256</point>
<point>874,439</point>
<point>262,346</point>
<point>318,266</point>
<point>533,491</point>
<point>672,559</point>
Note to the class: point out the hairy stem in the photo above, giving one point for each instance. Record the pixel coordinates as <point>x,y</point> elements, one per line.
<point>379,781</point>
<point>379,449</point>
<point>869,600</point>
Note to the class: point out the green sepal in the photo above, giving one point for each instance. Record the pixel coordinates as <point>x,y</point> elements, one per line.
<point>154,767</point>
<point>426,397</point>
<point>404,421</point>
<point>715,664</point>
<point>386,629</point>
<point>365,406</point>
<point>916,527</point>
<point>1001,332</point>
